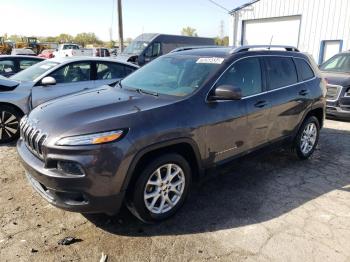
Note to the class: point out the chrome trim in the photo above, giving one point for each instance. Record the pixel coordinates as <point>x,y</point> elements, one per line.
<point>339,89</point>
<point>267,91</point>
<point>33,138</point>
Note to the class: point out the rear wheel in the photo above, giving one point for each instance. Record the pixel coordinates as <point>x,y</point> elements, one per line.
<point>161,188</point>
<point>307,138</point>
<point>9,124</point>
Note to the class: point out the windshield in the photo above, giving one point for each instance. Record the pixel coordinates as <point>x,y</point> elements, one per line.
<point>136,47</point>
<point>33,72</point>
<point>178,75</point>
<point>338,63</point>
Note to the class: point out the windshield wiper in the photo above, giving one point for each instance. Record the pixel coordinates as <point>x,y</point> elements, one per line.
<point>147,92</point>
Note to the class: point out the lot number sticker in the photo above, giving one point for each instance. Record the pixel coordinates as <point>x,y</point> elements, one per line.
<point>210,60</point>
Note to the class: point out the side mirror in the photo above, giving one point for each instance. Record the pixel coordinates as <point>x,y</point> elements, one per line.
<point>56,50</point>
<point>48,81</point>
<point>226,92</point>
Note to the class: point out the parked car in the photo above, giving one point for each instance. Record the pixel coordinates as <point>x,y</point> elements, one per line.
<point>23,51</point>
<point>50,79</point>
<point>144,141</point>
<point>147,47</point>
<point>47,53</point>
<point>337,72</point>
<point>67,50</point>
<point>101,52</point>
<point>12,64</point>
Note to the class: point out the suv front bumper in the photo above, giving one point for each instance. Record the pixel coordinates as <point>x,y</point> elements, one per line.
<point>69,192</point>
<point>339,108</point>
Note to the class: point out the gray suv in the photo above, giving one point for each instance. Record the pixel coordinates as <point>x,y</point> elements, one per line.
<point>51,79</point>
<point>145,140</point>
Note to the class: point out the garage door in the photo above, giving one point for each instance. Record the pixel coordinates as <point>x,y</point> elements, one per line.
<point>278,31</point>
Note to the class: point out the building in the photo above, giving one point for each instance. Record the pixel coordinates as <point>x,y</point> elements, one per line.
<point>319,27</point>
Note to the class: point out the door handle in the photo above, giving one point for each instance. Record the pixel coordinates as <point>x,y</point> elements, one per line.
<point>260,104</point>
<point>304,92</point>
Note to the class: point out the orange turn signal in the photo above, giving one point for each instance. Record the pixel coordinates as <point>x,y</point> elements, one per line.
<point>106,139</point>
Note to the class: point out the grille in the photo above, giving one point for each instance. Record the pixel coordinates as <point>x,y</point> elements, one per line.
<point>32,137</point>
<point>333,92</point>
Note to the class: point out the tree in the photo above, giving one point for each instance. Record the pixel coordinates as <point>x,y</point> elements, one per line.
<point>222,41</point>
<point>87,39</point>
<point>189,31</point>
<point>64,38</point>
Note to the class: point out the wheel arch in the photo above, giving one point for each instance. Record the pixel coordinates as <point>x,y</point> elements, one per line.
<point>18,109</point>
<point>185,147</point>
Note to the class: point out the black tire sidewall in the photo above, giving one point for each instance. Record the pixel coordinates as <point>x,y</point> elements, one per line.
<point>297,142</point>
<point>18,115</point>
<point>138,193</point>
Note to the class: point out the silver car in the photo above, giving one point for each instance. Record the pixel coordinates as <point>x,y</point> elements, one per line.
<point>51,79</point>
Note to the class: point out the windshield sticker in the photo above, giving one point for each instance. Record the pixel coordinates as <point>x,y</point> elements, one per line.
<point>210,60</point>
<point>47,66</point>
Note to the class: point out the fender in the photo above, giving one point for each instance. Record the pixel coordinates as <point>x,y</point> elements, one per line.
<point>161,145</point>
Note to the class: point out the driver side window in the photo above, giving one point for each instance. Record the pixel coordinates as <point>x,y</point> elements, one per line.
<point>74,72</point>
<point>244,74</point>
<point>153,50</point>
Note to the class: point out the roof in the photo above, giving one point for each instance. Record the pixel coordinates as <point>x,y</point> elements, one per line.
<point>243,6</point>
<point>87,58</point>
<point>217,52</point>
<point>23,56</point>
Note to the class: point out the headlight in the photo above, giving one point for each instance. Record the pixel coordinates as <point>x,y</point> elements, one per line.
<point>91,139</point>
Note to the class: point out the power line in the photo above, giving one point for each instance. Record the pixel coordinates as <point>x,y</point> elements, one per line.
<point>218,5</point>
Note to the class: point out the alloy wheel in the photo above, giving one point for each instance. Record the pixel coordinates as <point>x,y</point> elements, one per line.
<point>308,138</point>
<point>164,188</point>
<point>8,125</point>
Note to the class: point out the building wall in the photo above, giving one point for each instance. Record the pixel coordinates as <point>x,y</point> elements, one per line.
<point>320,20</point>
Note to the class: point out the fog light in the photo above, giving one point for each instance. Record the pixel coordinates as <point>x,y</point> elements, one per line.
<point>70,168</point>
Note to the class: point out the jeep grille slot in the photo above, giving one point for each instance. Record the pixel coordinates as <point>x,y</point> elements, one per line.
<point>33,138</point>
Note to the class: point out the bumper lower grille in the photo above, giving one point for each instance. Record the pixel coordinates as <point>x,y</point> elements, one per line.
<point>32,137</point>
<point>333,92</point>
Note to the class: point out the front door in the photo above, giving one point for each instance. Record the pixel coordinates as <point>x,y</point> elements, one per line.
<point>71,78</point>
<point>242,123</point>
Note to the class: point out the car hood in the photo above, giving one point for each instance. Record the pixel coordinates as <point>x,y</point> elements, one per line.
<point>98,110</point>
<point>342,79</point>
<point>7,84</point>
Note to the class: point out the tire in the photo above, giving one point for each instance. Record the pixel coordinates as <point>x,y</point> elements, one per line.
<point>9,124</point>
<point>307,138</point>
<point>149,183</point>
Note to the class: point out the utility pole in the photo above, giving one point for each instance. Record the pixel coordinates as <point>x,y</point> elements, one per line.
<point>120,26</point>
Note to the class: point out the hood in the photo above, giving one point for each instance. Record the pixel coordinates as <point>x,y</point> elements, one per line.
<point>334,78</point>
<point>7,84</point>
<point>98,110</point>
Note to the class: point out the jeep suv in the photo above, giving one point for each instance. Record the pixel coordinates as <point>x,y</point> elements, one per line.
<point>144,141</point>
<point>336,70</point>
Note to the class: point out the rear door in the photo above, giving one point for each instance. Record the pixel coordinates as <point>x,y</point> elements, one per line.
<point>110,72</point>
<point>286,96</point>
<point>70,78</point>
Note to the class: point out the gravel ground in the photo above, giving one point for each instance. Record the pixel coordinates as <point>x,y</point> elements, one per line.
<point>263,208</point>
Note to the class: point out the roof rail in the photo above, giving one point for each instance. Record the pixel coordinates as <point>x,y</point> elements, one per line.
<point>269,47</point>
<point>185,48</point>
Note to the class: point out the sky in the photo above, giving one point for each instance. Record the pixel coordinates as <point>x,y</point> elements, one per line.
<point>52,17</point>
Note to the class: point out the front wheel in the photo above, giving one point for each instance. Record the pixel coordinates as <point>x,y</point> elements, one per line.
<point>307,138</point>
<point>161,188</point>
<point>9,124</point>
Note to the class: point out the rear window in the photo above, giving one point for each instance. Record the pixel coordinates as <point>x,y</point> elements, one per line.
<point>281,72</point>
<point>304,68</point>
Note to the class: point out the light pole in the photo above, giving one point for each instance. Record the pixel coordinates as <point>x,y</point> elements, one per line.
<point>120,25</point>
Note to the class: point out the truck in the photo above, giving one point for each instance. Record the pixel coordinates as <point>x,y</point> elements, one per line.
<point>66,50</point>
<point>149,46</point>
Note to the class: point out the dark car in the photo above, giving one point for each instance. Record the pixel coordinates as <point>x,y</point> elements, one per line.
<point>145,140</point>
<point>337,73</point>
<point>12,64</point>
<point>101,52</point>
